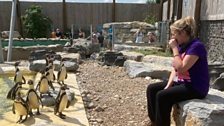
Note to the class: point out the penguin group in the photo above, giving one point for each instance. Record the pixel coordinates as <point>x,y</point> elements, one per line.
<point>24,104</point>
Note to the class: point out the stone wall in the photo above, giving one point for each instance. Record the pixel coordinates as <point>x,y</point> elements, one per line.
<point>23,53</point>
<point>212,34</point>
<point>124,32</point>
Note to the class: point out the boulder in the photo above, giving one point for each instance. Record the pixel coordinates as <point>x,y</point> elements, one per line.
<point>38,65</point>
<point>200,112</point>
<point>113,58</point>
<point>83,47</point>
<point>5,34</point>
<point>163,61</point>
<point>141,69</point>
<point>133,55</point>
<point>219,83</point>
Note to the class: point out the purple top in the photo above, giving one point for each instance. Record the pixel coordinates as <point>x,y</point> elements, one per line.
<point>199,74</point>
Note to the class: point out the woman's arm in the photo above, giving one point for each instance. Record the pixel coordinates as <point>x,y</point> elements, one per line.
<point>170,81</point>
<point>185,64</point>
<point>179,64</point>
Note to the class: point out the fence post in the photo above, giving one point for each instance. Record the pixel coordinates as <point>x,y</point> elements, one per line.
<point>1,52</point>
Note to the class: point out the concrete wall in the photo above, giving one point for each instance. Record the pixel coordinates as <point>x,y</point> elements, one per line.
<point>212,34</point>
<point>212,10</point>
<point>82,14</point>
<point>188,8</point>
<point>212,29</point>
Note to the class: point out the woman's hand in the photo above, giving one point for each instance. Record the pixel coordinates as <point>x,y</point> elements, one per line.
<point>173,43</point>
<point>167,86</point>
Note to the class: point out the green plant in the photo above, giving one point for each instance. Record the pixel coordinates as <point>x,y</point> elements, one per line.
<point>151,19</point>
<point>36,25</point>
<point>152,1</point>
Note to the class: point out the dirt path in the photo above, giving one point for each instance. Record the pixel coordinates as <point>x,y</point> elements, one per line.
<point>111,97</point>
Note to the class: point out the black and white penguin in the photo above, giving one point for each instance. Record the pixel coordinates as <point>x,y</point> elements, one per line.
<point>18,75</point>
<point>33,99</point>
<point>51,76</point>
<point>62,73</point>
<point>13,92</point>
<point>62,102</point>
<point>43,85</point>
<point>20,108</point>
<point>47,59</point>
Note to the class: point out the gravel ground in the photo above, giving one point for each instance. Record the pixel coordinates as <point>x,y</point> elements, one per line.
<point>110,97</point>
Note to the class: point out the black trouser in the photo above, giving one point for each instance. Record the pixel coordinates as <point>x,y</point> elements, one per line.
<point>160,101</point>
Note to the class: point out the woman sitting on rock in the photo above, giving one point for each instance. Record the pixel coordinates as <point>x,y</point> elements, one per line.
<point>189,78</point>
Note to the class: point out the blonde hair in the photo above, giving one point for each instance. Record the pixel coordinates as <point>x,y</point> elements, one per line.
<point>187,24</point>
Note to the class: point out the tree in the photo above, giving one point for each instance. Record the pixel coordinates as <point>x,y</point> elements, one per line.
<point>36,24</point>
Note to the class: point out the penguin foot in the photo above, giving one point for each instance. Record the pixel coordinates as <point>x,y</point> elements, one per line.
<point>22,121</point>
<point>49,94</point>
<point>31,113</point>
<point>18,121</point>
<point>62,116</point>
<point>38,113</point>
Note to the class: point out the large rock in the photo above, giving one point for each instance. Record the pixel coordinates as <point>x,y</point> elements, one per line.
<point>83,47</point>
<point>125,31</point>
<point>163,61</point>
<point>113,58</point>
<point>73,57</point>
<point>41,54</point>
<point>214,71</point>
<point>205,112</point>
<point>133,55</point>
<point>140,69</point>
<point>121,47</point>
<point>38,65</point>
<point>5,34</point>
<point>219,83</point>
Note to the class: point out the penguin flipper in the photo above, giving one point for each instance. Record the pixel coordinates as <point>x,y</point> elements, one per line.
<point>25,105</point>
<point>58,96</point>
<point>68,104</point>
<point>12,92</point>
<point>38,85</point>
<point>13,109</point>
<point>14,79</point>
<point>66,76</point>
<point>9,94</point>
<point>56,108</point>
<point>59,72</point>
<point>54,76</point>
<point>39,98</point>
<point>24,80</point>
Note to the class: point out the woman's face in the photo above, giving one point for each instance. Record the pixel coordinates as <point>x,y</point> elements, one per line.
<point>180,36</point>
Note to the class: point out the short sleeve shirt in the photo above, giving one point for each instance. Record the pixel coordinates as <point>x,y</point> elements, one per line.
<point>198,73</point>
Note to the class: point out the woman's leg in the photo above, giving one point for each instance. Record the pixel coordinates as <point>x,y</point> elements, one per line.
<point>151,92</point>
<point>166,98</point>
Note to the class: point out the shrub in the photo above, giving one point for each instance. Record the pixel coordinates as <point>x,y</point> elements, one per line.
<point>36,25</point>
<point>151,19</point>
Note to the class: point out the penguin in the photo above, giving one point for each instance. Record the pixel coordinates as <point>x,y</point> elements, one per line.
<point>47,59</point>
<point>51,76</point>
<point>43,85</point>
<point>20,108</point>
<point>62,102</point>
<point>13,92</point>
<point>18,75</point>
<point>62,73</point>
<point>32,99</point>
